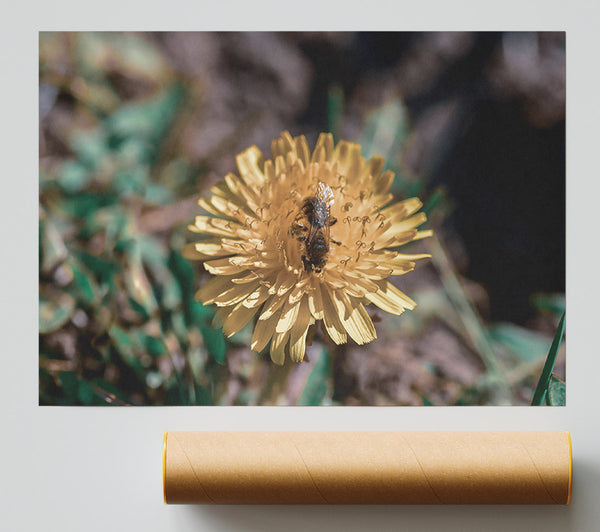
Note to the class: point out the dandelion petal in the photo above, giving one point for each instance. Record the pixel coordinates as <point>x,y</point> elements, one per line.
<point>250,163</point>
<point>390,299</point>
<point>360,326</point>
<point>298,348</point>
<point>213,288</point>
<point>289,313</point>
<point>237,319</point>
<point>278,347</point>
<point>263,332</point>
<point>333,324</point>
<point>315,302</point>
<point>303,320</point>
<point>256,243</point>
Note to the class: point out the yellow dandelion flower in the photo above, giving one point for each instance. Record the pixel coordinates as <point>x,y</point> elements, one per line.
<point>304,237</point>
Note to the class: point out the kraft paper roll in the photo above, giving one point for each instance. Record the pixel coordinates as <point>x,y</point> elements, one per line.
<point>367,467</point>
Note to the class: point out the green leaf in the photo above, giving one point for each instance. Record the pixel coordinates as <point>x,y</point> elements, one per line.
<point>73,176</point>
<point>83,204</point>
<point>198,313</point>
<point>183,270</point>
<point>131,182</point>
<point>69,384</point>
<point>434,201</point>
<point>386,130</point>
<point>554,303</point>
<point>84,287</point>
<point>556,394</point>
<point>148,120</point>
<point>122,338</point>
<point>103,269</point>
<point>135,55</point>
<point>54,314</point>
<point>138,54</point>
<point>527,345</point>
<point>140,309</point>
<point>203,397</point>
<point>425,400</point>
<point>85,392</point>
<point>215,342</point>
<point>165,285</point>
<point>111,220</point>
<point>137,283</point>
<point>52,248</point>
<point>155,346</point>
<point>77,390</point>
<point>128,345</point>
<point>174,397</point>
<point>179,326</point>
<point>542,385</point>
<point>90,147</point>
<point>157,194</point>
<point>317,384</point>
<point>195,312</point>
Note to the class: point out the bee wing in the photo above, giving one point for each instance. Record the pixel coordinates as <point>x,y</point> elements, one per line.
<point>326,234</point>
<point>324,194</point>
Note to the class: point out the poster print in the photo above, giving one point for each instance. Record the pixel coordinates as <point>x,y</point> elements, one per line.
<point>302,218</point>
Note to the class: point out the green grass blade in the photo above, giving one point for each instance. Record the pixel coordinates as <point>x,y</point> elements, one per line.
<point>471,321</point>
<point>542,385</point>
<point>335,106</point>
<point>318,382</point>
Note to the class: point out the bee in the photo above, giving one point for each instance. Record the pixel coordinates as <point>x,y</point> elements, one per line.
<point>311,227</point>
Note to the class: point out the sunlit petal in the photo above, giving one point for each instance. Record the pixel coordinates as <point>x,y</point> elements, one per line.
<point>305,237</point>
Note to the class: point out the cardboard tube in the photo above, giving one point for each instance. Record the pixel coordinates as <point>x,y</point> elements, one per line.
<point>367,467</point>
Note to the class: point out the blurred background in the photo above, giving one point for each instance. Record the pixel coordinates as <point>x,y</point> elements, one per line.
<point>134,128</point>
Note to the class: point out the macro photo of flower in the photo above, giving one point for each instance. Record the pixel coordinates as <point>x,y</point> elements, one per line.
<point>302,218</point>
<point>277,259</point>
